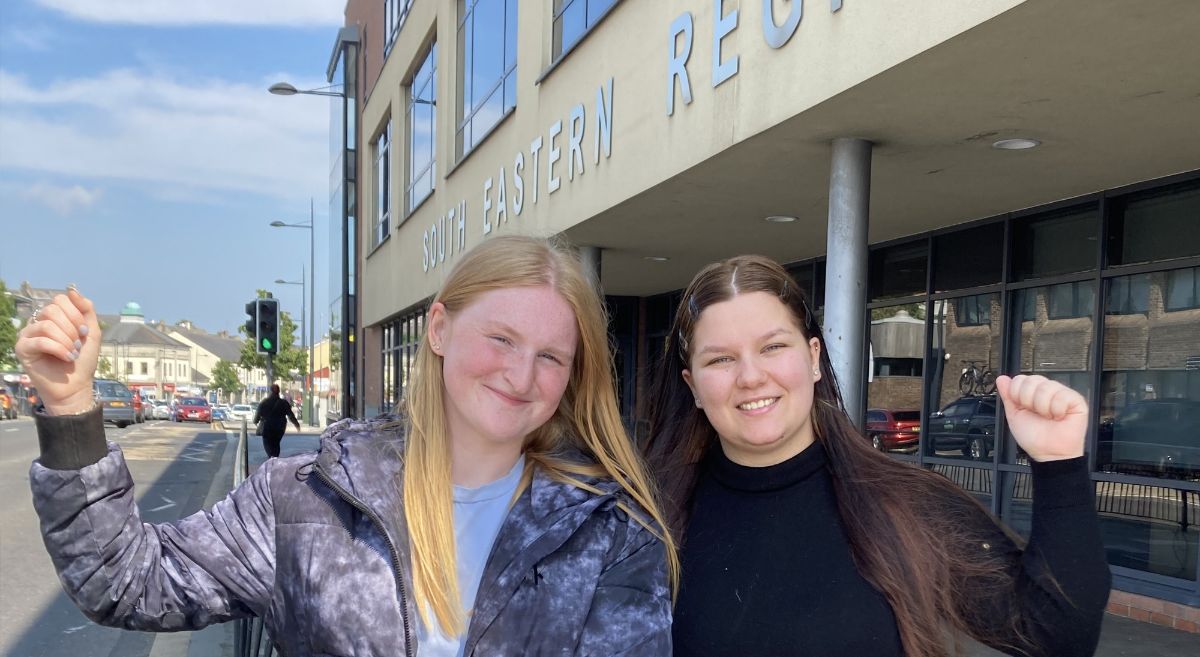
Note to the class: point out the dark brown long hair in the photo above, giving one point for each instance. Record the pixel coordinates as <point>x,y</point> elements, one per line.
<point>906,540</point>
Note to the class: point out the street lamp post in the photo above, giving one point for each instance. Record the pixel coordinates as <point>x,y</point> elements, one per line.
<point>309,408</point>
<point>286,89</point>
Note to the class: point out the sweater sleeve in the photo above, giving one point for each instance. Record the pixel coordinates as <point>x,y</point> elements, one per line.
<point>212,566</point>
<point>1051,600</point>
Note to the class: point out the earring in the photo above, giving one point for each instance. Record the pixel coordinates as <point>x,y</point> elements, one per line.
<point>816,372</point>
<point>698,403</point>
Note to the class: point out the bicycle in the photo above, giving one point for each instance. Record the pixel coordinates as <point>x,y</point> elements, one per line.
<point>975,381</point>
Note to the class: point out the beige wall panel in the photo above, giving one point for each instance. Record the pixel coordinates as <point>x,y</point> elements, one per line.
<point>828,54</point>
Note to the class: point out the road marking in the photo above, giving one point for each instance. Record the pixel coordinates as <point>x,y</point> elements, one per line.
<point>72,630</point>
<point>169,503</point>
<point>10,430</point>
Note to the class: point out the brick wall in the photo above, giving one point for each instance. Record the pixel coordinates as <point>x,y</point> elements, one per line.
<point>1153,610</point>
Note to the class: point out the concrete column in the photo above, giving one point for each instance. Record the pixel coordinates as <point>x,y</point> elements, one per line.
<point>846,267</point>
<point>590,255</point>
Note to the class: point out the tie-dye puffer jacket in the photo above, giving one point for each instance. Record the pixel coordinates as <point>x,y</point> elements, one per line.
<point>316,545</point>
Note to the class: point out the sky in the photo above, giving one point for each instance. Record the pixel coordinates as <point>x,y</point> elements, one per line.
<point>142,158</point>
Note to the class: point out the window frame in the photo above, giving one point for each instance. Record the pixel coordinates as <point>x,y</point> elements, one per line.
<point>414,98</point>
<point>465,72</point>
<point>381,149</point>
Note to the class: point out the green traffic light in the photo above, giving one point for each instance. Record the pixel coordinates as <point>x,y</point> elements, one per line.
<point>266,343</point>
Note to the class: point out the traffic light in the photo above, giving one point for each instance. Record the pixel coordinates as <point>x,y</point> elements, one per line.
<point>267,337</point>
<point>251,324</point>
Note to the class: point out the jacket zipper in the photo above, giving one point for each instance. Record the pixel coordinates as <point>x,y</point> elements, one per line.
<point>353,501</point>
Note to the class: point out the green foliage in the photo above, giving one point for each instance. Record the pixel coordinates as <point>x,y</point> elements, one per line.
<point>8,330</point>
<point>104,369</point>
<point>224,377</point>
<point>916,310</point>
<point>290,356</point>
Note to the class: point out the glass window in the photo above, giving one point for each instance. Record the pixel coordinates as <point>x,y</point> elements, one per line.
<point>145,368</point>
<point>383,187</point>
<point>128,367</point>
<point>896,364</point>
<point>573,18</point>
<point>1128,295</point>
<point>422,131</point>
<point>1149,528</point>
<point>487,60</point>
<point>1061,242</point>
<point>976,481</point>
<point>1045,345</point>
<point>1149,416</point>
<point>898,271</point>
<point>1070,300</point>
<point>1156,225</point>
<point>962,364</point>
<point>1183,289</point>
<point>394,14</point>
<point>968,258</point>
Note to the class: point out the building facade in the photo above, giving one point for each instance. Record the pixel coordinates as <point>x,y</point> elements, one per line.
<point>964,189</point>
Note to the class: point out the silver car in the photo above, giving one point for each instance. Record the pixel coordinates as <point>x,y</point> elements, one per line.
<point>115,400</point>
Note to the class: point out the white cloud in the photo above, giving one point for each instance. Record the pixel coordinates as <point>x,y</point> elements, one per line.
<point>165,132</point>
<point>203,12</point>
<point>63,200</point>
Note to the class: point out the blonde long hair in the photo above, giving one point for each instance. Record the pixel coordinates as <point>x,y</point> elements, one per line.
<point>587,418</point>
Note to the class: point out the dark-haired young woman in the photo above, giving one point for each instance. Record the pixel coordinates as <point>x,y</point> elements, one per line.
<point>798,538</point>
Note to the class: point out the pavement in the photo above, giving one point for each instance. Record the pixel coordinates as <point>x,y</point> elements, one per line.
<point>1125,637</point>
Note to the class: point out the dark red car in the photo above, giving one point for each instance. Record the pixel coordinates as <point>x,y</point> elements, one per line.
<point>893,430</point>
<point>193,409</point>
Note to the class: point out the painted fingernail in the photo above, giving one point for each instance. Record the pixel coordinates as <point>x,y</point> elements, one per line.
<point>78,345</point>
<point>83,330</point>
<point>74,355</point>
<point>71,286</point>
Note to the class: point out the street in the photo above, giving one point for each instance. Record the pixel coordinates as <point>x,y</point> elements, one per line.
<point>177,469</point>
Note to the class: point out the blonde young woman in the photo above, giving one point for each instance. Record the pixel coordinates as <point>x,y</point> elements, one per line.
<point>502,512</point>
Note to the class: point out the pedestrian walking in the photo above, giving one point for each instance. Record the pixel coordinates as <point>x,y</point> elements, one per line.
<point>798,538</point>
<point>502,511</point>
<point>271,420</point>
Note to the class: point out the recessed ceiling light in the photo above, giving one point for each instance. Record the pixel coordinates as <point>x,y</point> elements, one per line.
<point>1018,144</point>
<point>656,258</point>
<point>780,219</point>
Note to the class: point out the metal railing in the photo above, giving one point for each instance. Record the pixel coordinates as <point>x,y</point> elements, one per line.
<point>250,639</point>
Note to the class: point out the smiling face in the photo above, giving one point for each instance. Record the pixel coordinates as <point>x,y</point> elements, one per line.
<point>506,360</point>
<point>753,372</point>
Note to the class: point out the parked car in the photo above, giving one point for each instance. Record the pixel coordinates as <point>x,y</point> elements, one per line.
<point>242,412</point>
<point>116,402</point>
<point>967,424</point>
<point>8,406</point>
<point>893,430</point>
<point>1154,437</point>
<point>162,410</point>
<point>193,409</point>
<point>219,414</point>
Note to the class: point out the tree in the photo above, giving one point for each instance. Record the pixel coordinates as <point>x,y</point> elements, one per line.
<point>290,357</point>
<point>8,329</point>
<point>224,377</point>
<point>104,368</point>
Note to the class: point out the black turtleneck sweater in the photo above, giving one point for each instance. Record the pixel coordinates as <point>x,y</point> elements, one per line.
<point>767,568</point>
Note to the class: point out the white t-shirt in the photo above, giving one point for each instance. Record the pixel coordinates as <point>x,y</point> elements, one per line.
<point>478,515</point>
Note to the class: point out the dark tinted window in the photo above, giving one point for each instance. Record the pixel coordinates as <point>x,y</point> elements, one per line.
<point>907,416</point>
<point>898,271</point>
<point>968,258</point>
<point>193,401</point>
<point>1156,225</point>
<point>1057,243</point>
